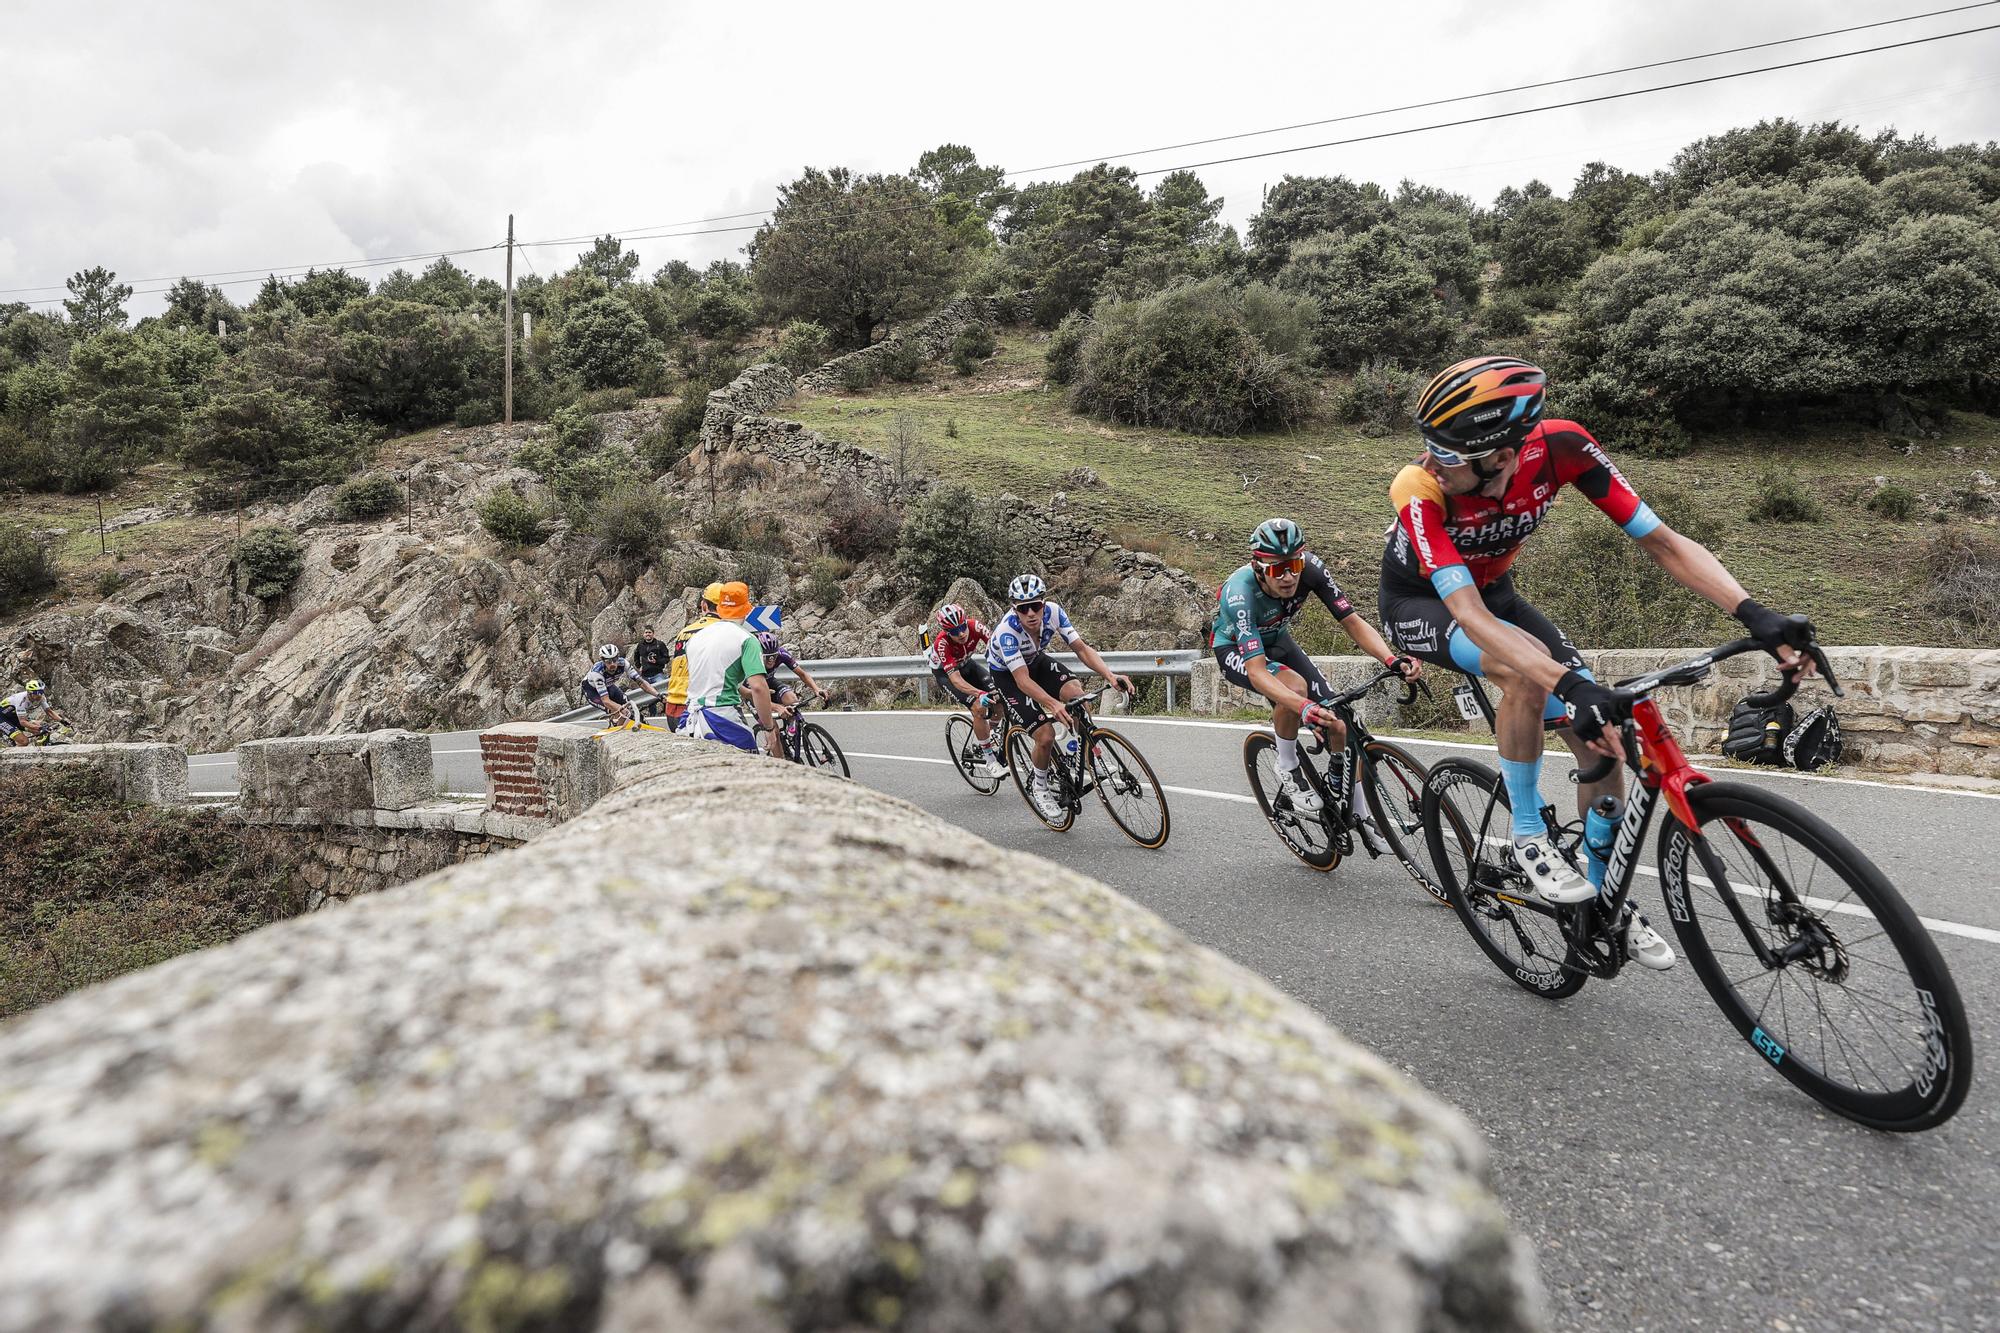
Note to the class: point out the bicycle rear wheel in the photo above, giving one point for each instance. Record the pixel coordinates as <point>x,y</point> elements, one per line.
<point>1127,789</point>
<point>963,747</point>
<point>821,750</point>
<point>1395,789</point>
<point>1849,998</point>
<point>1308,837</point>
<point>1021,761</point>
<point>1466,823</point>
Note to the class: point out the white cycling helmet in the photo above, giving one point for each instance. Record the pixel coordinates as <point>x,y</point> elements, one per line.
<point>608,653</point>
<point>1027,588</point>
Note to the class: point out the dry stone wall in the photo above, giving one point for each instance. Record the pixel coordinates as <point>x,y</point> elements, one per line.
<point>342,856</point>
<point>741,1047</point>
<point>932,336</point>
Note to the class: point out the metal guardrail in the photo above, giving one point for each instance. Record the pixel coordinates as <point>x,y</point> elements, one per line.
<point>1172,663</point>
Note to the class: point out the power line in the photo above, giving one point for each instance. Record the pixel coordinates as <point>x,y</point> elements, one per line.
<point>1497,92</point>
<point>1561,106</point>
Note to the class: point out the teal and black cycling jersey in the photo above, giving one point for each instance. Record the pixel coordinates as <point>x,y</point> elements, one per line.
<point>1246,615</point>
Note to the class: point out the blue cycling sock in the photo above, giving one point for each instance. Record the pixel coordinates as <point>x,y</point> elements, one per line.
<point>1524,794</point>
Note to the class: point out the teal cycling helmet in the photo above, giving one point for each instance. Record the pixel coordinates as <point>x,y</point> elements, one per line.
<point>1279,537</point>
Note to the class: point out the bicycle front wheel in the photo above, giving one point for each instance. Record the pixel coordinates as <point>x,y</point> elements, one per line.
<point>1127,789</point>
<point>1021,761</point>
<point>821,750</point>
<point>1816,958</point>
<point>963,747</point>
<point>1466,826</point>
<point>1395,789</point>
<point>1307,836</point>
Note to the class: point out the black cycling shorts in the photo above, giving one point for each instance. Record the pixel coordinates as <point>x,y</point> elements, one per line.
<point>1046,672</point>
<point>1420,624</point>
<point>975,673</point>
<point>1280,649</point>
<point>594,696</point>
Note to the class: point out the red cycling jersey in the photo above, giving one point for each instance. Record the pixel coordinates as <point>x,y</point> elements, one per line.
<point>946,653</point>
<point>1460,540</point>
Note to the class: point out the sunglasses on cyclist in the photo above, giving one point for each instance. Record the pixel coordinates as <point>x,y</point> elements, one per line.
<point>1029,608</point>
<point>1294,565</point>
<point>959,631</point>
<point>1455,458</point>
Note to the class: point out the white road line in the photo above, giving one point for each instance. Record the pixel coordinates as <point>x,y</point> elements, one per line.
<point>1121,719</point>
<point>211,763</point>
<point>1958,928</point>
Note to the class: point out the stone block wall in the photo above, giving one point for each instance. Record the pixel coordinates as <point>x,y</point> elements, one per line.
<point>343,855</point>
<point>141,774</point>
<point>933,337</point>
<point>1907,710</point>
<point>740,1045</point>
<point>380,770</point>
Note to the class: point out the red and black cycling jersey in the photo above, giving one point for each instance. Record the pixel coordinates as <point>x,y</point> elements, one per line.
<point>945,653</point>
<point>1458,541</point>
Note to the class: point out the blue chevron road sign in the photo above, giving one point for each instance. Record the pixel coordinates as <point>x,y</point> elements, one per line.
<point>764,617</point>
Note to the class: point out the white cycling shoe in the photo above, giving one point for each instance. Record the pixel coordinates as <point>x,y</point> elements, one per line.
<point>1553,879</point>
<point>1042,791</point>
<point>990,765</point>
<point>1644,944</point>
<point>1296,790</point>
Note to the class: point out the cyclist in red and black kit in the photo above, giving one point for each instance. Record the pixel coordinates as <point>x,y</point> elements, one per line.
<point>956,654</point>
<point>1490,474</point>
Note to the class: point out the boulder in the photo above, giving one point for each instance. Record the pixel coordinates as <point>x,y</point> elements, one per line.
<point>742,1047</point>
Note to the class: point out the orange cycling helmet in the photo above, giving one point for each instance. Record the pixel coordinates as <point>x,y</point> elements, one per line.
<point>1481,404</point>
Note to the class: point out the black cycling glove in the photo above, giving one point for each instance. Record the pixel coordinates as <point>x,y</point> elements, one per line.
<point>1771,629</point>
<point>1595,707</point>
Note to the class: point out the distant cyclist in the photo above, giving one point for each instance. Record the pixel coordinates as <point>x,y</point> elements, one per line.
<point>954,654</point>
<point>603,684</point>
<point>1490,473</point>
<point>27,715</point>
<point>1253,644</point>
<point>1035,685</point>
<point>775,656</point>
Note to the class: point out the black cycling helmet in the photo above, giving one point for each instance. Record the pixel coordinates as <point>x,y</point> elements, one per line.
<point>1481,404</point>
<point>1277,537</point>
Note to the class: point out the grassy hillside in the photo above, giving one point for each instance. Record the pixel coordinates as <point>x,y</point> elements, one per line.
<point>1854,571</point>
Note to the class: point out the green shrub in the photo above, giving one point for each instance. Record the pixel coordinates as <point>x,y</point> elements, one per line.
<point>856,375</point>
<point>721,527</point>
<point>902,360</point>
<point>267,438</point>
<point>26,571</point>
<point>972,345</point>
<point>367,497</point>
<point>269,561</point>
<point>605,343</point>
<point>1506,314</point>
<point>1606,592</point>
<point>631,519</point>
<point>694,570</point>
<point>575,429</point>
<point>512,519</point>
<point>109,582</point>
<point>621,399</point>
<point>1376,296</point>
<point>804,345</point>
<point>1186,359</point>
<point>1783,498</point>
<point>823,579</point>
<point>1379,398</point>
<point>952,534</point>
<point>569,458</point>
<point>858,525</point>
<point>759,570</point>
<point>1894,501</point>
<point>476,412</point>
<point>1066,347</point>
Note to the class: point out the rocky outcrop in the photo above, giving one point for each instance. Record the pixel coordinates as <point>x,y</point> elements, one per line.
<point>844,1066</point>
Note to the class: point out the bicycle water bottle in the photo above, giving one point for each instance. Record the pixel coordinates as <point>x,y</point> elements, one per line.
<point>1068,738</point>
<point>1600,826</point>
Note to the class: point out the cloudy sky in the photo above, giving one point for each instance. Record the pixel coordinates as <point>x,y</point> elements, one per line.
<point>236,136</point>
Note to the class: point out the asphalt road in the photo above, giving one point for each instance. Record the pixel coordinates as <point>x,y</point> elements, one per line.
<point>1666,1177</point>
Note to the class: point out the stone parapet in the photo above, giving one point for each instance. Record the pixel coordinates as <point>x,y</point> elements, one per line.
<point>1907,710</point>
<point>377,770</point>
<point>147,774</point>
<point>746,1047</point>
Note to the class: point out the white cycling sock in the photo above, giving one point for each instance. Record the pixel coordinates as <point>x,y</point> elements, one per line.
<point>1041,775</point>
<point>1288,753</point>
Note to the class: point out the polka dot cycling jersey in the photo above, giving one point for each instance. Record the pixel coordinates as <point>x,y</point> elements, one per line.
<point>1460,541</point>
<point>1013,646</point>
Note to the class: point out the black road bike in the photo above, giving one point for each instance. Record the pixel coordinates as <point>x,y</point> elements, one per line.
<point>962,743</point>
<point>1093,758</point>
<point>1389,777</point>
<point>811,744</point>
<point>1799,939</point>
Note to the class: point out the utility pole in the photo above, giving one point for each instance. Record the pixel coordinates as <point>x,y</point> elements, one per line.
<point>507,394</point>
